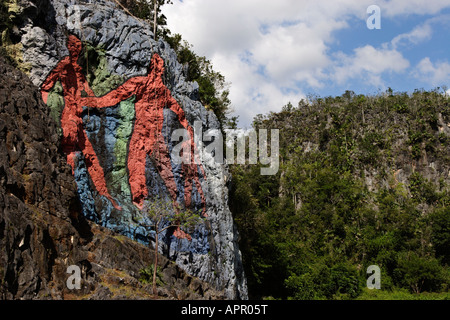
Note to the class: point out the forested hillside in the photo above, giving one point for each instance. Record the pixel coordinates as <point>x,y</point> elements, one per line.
<point>363,180</point>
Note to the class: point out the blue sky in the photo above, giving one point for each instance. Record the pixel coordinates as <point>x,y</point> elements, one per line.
<point>275,52</point>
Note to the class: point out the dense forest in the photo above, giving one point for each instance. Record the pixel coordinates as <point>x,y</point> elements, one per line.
<point>363,180</point>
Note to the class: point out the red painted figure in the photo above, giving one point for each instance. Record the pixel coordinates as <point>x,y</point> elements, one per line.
<point>152,96</point>
<point>75,138</point>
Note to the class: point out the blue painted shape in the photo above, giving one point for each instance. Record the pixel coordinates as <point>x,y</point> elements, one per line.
<point>84,189</point>
<point>102,128</point>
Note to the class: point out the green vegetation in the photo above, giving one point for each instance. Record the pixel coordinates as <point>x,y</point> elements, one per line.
<point>213,89</point>
<point>146,276</point>
<point>401,294</point>
<point>363,181</point>
<point>144,9</point>
<point>10,46</point>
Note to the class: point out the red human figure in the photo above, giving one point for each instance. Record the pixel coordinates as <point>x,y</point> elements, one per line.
<point>152,96</point>
<point>74,138</point>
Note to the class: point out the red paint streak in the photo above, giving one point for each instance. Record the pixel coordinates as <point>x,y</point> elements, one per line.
<point>74,136</point>
<point>152,96</point>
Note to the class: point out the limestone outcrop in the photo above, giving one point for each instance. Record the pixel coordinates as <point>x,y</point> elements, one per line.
<point>117,96</point>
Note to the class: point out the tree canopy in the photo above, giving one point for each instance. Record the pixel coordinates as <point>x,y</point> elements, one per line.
<point>363,181</point>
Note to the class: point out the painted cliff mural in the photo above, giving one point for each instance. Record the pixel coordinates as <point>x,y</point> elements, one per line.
<point>146,145</point>
<point>75,141</point>
<point>119,96</point>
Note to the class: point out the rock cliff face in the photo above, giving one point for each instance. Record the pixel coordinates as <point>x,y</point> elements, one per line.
<point>117,96</point>
<point>42,230</point>
<point>34,181</point>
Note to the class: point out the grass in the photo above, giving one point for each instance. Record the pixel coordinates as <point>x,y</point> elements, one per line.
<point>121,283</point>
<point>146,276</point>
<point>401,294</point>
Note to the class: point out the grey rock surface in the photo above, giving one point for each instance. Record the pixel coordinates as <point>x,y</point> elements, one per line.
<point>128,45</point>
<point>42,231</point>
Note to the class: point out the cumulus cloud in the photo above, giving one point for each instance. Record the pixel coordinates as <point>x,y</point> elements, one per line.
<point>393,8</point>
<point>265,49</point>
<point>421,32</point>
<point>435,73</point>
<point>273,51</point>
<point>369,63</point>
<point>417,35</point>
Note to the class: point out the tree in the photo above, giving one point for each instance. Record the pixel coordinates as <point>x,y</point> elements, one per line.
<point>162,216</point>
<point>213,89</point>
<point>148,10</point>
<point>420,273</point>
<point>158,18</point>
<point>341,201</point>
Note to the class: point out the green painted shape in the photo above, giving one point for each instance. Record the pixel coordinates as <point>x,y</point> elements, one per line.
<point>100,79</point>
<point>126,113</point>
<point>55,102</point>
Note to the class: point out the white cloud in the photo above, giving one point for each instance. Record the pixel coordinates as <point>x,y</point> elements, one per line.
<point>437,74</point>
<point>265,49</point>
<point>421,32</point>
<point>392,8</point>
<point>271,50</point>
<point>251,92</point>
<point>417,35</point>
<point>369,63</point>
